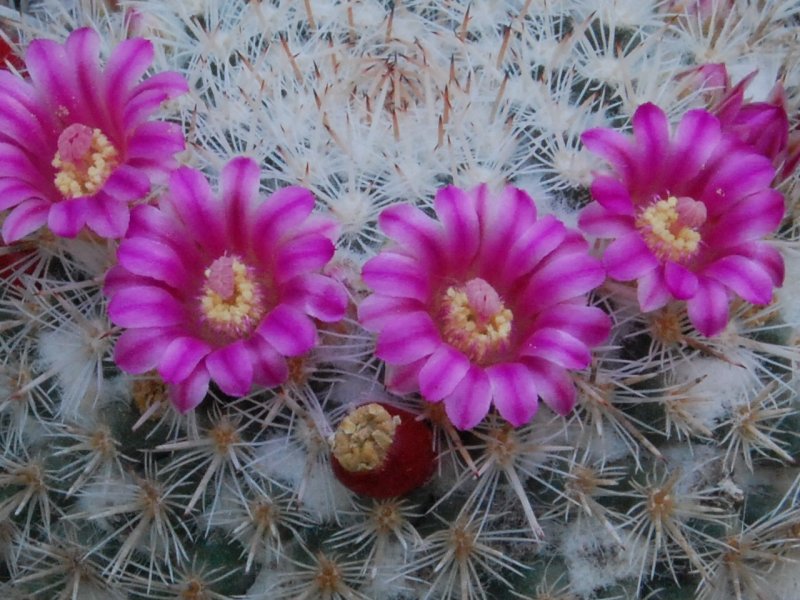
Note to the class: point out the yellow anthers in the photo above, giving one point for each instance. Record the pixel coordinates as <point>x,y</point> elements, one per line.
<point>669,227</point>
<point>85,159</point>
<point>475,320</point>
<point>231,302</point>
<point>363,438</point>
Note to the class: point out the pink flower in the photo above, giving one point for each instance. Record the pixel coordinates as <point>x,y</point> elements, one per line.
<point>687,212</point>
<point>486,305</point>
<point>222,289</point>
<point>763,125</point>
<point>76,147</point>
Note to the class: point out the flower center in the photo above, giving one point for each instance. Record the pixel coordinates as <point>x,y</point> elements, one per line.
<point>475,320</point>
<point>232,301</point>
<point>670,227</point>
<point>85,158</point>
<point>364,437</point>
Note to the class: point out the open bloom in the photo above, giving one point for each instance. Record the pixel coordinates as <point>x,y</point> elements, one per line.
<point>486,305</point>
<point>75,143</point>
<point>222,289</point>
<point>687,212</point>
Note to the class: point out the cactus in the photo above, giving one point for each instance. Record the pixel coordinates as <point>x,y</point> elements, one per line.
<point>675,476</point>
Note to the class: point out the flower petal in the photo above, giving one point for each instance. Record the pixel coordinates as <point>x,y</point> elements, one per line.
<point>514,392</point>
<point>537,242</point>
<point>396,275</point>
<point>404,379</point>
<point>708,308</point>
<point>681,282</point>
<point>191,391</point>
<point>628,258</point>
<point>67,217</point>
<point>558,347</point>
<point>615,147</point>
<point>696,138</point>
<point>144,306</point>
<point>191,199</point>
<point>600,222</point>
<point>417,234</point>
<point>408,338</point>
<point>469,402</point>
<point>317,295</point>
<point>239,187</point>
<point>126,184</point>
<point>106,216</point>
<point>26,217</point>
<point>651,133</point>
<point>612,195</point>
<point>288,330</point>
<point>269,365</point>
<point>151,258</point>
<point>140,350</point>
<point>180,358</point>
<point>302,255</point>
<point>503,218</point>
<point>587,323</point>
<point>752,218</point>
<point>442,372</point>
<point>744,276</point>
<point>231,369</point>
<point>554,385</point>
<point>456,210</point>
<point>652,290</point>
<point>564,276</point>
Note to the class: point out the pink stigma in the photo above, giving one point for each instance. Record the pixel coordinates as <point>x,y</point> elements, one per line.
<point>483,299</point>
<point>691,212</point>
<point>75,143</point>
<point>220,277</point>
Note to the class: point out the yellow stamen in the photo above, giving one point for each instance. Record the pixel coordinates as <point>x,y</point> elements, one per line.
<point>84,175</point>
<point>234,311</point>
<point>475,320</point>
<point>669,227</point>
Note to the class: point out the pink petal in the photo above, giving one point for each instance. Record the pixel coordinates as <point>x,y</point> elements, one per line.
<point>279,215</point>
<point>231,368</point>
<point>537,242</point>
<point>191,391</point>
<point>442,372</point>
<point>269,366</point>
<point>149,222</point>
<point>239,187</point>
<point>150,94</point>
<point>565,276</point>
<point>503,218</point>
<point>51,73</point>
<point>456,210</point>
<point>68,217</point>
<point>695,139</point>
<point>145,306</point>
<point>126,184</point>
<point>376,311</point>
<point>126,65</point>
<point>681,282</point>
<point>106,216</point>
<point>615,147</point>
<point>191,198</point>
<point>587,323</point>
<point>766,256</point>
<point>747,220</point>
<point>153,142</point>
<point>600,222</point>
<point>734,175</point>
<point>651,133</point>
<point>612,195</point>
<point>288,330</point>
<point>628,258</point>
<point>708,309</point>
<point>396,275</point>
<point>469,403</point>
<point>514,392</point>
<point>302,255</point>
<point>744,276</point>
<point>26,217</point>
<point>652,291</point>
<point>140,350</point>
<point>321,297</point>
<point>414,231</point>
<point>558,347</point>
<point>83,49</point>
<point>404,379</point>
<point>15,191</point>
<point>180,358</point>
<point>21,128</point>
<point>151,258</point>
<point>554,385</point>
<point>408,338</point>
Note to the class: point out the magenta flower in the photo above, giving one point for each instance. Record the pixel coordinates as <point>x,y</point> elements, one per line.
<point>687,212</point>
<point>222,289</point>
<point>76,147</point>
<point>486,305</point>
